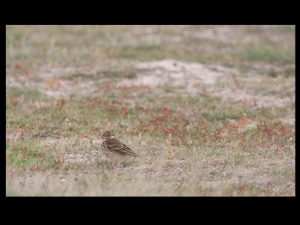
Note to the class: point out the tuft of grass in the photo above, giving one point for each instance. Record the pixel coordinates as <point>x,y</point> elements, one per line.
<point>290,72</point>
<point>272,73</point>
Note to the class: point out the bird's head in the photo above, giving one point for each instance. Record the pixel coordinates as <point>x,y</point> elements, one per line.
<point>107,135</point>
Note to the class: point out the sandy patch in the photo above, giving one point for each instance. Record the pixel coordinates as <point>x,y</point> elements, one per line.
<point>175,73</point>
<point>195,78</point>
<point>190,78</point>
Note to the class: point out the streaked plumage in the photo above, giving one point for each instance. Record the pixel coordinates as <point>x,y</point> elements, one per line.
<point>110,144</point>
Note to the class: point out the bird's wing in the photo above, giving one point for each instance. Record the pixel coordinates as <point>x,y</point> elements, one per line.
<point>116,145</point>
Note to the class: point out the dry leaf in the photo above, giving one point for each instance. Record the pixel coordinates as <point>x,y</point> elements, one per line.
<point>243,121</point>
<point>22,153</point>
<point>52,83</point>
<point>124,110</point>
<point>61,102</point>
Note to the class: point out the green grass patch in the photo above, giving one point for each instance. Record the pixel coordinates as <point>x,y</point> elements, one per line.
<point>58,116</point>
<point>18,122</point>
<point>27,154</point>
<point>81,76</point>
<point>126,73</point>
<point>266,53</point>
<point>28,93</point>
<point>223,115</point>
<point>142,52</point>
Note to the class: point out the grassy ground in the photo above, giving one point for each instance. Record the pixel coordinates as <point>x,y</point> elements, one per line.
<point>210,110</point>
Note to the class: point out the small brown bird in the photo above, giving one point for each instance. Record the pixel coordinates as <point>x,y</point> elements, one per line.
<point>112,145</point>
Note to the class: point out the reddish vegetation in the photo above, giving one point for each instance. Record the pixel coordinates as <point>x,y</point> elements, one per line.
<point>124,110</point>
<point>169,122</point>
<point>61,102</point>
<point>22,69</point>
<point>53,83</point>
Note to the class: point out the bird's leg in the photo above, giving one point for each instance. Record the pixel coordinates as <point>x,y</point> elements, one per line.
<point>108,162</point>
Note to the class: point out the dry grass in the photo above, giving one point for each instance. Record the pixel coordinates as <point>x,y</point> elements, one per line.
<point>209,109</point>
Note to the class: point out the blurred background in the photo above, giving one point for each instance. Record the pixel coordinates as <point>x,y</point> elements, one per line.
<point>215,99</point>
